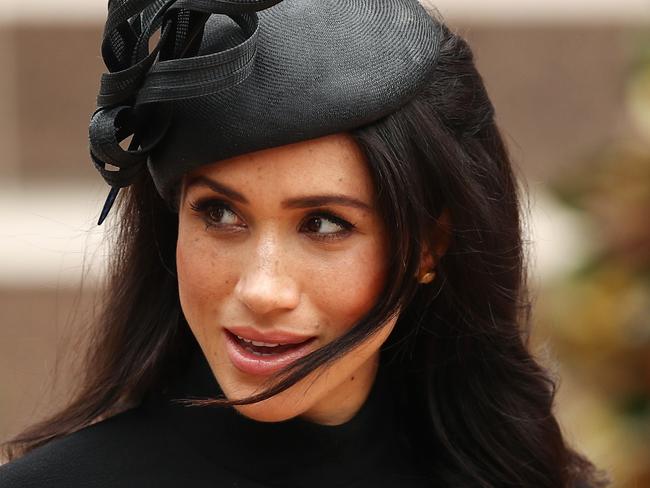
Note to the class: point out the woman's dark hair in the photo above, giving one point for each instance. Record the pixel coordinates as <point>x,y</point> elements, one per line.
<point>480,406</point>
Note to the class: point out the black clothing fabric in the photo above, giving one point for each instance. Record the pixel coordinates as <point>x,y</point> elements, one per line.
<point>164,444</point>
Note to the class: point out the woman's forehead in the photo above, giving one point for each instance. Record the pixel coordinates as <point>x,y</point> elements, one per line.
<point>330,164</point>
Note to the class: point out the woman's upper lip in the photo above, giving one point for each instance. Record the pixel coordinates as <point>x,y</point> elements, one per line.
<point>272,337</point>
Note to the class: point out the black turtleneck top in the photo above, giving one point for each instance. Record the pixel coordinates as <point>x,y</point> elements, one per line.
<point>163,444</point>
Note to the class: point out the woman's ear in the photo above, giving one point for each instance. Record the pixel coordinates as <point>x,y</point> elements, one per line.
<point>437,246</point>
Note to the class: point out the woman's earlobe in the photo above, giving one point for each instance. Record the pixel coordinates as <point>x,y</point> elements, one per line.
<point>431,254</point>
<point>427,278</point>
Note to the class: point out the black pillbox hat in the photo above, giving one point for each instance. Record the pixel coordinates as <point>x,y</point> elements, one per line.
<point>229,77</point>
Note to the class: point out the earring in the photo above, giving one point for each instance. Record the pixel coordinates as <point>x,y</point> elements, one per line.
<point>427,277</point>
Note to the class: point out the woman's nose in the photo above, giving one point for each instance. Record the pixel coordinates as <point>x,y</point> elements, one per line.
<point>264,285</point>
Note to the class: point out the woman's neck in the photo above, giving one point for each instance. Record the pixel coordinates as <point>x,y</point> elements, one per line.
<point>344,400</point>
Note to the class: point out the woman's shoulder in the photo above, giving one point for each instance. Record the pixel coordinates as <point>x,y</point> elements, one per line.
<point>123,450</point>
<point>74,458</point>
<point>135,448</point>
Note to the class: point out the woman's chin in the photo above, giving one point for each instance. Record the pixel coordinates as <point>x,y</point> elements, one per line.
<point>267,411</point>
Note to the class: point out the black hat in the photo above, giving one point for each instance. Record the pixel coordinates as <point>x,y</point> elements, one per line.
<point>263,73</point>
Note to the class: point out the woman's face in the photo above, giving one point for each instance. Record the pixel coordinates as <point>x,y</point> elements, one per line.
<point>284,246</point>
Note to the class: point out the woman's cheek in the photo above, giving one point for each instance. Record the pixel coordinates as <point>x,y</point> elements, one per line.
<point>347,288</point>
<point>196,278</point>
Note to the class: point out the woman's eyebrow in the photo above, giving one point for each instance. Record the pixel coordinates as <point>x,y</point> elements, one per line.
<point>217,187</point>
<point>295,202</point>
<point>322,200</point>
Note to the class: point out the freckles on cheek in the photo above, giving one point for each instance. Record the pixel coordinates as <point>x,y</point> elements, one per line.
<point>197,277</point>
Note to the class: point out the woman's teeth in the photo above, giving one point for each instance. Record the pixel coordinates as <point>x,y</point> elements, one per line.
<point>260,348</point>
<point>258,343</point>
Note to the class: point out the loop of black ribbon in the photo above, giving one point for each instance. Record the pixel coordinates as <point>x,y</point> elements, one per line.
<point>133,94</point>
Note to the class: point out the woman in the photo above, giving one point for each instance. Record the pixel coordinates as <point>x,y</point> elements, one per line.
<point>318,274</point>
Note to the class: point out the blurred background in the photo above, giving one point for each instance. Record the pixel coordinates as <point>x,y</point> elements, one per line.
<point>570,80</point>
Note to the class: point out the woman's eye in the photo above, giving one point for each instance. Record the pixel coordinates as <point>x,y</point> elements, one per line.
<point>216,213</point>
<point>222,215</point>
<point>326,226</point>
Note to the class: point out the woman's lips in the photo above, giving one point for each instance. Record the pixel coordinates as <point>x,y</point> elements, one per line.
<point>275,337</point>
<point>245,360</point>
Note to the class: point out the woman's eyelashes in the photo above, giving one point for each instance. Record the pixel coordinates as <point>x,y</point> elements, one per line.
<point>325,225</point>
<point>216,213</point>
<point>321,224</point>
